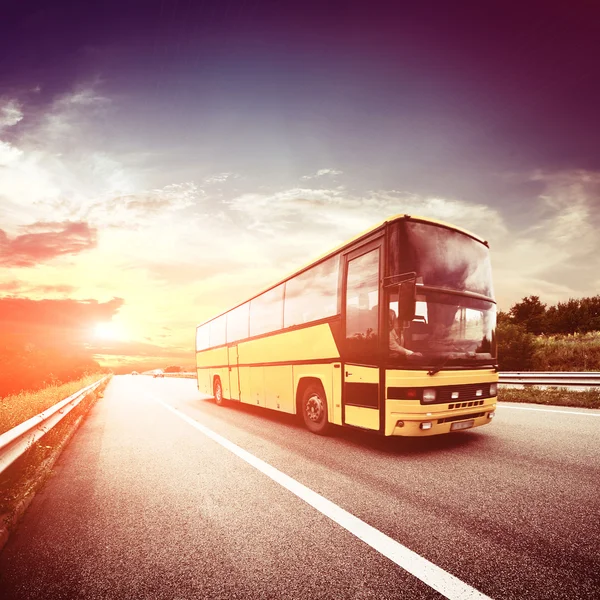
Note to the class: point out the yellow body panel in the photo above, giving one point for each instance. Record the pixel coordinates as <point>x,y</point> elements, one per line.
<point>360,416</point>
<point>274,386</point>
<point>204,381</point>
<point>279,388</point>
<point>217,357</point>
<point>310,343</point>
<point>256,391</point>
<point>234,382</point>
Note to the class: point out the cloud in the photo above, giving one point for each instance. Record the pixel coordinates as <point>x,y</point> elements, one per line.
<point>322,173</point>
<point>302,214</point>
<point>219,178</point>
<point>10,114</point>
<point>176,196</point>
<point>556,258</point>
<point>44,241</point>
<point>8,154</point>
<point>73,110</point>
<point>17,286</point>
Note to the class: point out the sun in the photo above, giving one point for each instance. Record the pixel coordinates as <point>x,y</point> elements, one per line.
<point>108,331</point>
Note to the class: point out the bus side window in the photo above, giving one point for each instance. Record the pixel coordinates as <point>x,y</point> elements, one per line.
<point>266,312</point>
<point>312,295</point>
<point>362,296</point>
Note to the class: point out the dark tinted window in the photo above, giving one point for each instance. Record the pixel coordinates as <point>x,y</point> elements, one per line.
<point>266,311</point>
<point>445,258</point>
<point>237,323</point>
<point>217,331</point>
<point>312,295</point>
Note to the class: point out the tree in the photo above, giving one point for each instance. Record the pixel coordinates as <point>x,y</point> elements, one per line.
<point>516,347</point>
<point>531,313</point>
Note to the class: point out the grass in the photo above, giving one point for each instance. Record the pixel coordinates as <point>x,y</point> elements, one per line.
<point>17,408</point>
<point>572,352</point>
<point>588,398</point>
<point>28,473</point>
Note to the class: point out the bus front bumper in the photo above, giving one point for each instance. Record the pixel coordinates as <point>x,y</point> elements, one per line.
<point>438,420</point>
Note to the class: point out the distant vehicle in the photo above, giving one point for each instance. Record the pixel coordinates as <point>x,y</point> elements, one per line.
<point>392,332</point>
<point>158,374</point>
<point>134,373</point>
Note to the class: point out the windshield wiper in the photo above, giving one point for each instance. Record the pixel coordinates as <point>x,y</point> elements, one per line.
<point>440,366</point>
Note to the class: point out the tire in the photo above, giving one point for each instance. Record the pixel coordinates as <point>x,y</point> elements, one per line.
<point>218,391</point>
<point>314,409</point>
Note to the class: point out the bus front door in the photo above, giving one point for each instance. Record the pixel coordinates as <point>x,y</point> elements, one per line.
<point>360,396</point>
<point>234,373</point>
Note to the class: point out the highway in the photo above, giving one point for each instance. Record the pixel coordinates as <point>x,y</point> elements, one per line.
<point>163,494</point>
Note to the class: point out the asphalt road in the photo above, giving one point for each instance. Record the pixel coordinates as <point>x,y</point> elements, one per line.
<point>144,504</point>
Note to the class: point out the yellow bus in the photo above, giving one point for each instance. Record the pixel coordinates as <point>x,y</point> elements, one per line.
<point>393,332</point>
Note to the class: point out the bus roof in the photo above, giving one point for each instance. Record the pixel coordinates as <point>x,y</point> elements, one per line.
<point>340,247</point>
<point>371,230</point>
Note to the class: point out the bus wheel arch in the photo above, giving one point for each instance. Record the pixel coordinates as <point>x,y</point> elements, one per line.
<point>218,390</point>
<point>311,404</point>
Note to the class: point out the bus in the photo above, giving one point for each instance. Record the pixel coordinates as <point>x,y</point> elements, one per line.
<point>392,332</point>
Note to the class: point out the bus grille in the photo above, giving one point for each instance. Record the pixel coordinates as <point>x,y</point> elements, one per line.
<point>460,417</point>
<point>462,393</point>
<point>465,404</point>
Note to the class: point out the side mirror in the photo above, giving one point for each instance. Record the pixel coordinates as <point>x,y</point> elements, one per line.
<point>407,300</point>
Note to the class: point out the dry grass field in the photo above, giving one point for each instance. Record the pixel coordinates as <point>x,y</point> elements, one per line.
<point>574,352</point>
<point>16,409</point>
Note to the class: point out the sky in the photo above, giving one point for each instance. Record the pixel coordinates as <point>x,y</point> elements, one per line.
<point>161,161</point>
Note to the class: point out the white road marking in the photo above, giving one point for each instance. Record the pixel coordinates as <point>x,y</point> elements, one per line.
<point>443,582</point>
<point>564,412</point>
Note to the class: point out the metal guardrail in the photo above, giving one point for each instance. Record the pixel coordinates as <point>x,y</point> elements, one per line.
<point>551,378</point>
<point>180,374</point>
<point>183,375</point>
<point>16,441</point>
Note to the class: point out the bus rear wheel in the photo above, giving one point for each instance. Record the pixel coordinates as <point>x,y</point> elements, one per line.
<point>218,391</point>
<point>314,409</point>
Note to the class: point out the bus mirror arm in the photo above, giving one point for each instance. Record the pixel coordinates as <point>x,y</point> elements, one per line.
<point>407,300</point>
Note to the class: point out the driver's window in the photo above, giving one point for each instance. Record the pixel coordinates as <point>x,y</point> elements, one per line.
<point>406,335</point>
<point>362,301</point>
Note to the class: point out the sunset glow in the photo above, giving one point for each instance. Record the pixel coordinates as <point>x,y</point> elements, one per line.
<point>109,331</point>
<point>160,165</point>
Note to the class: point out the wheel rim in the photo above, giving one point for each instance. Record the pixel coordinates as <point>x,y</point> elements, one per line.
<point>218,392</point>
<point>315,408</point>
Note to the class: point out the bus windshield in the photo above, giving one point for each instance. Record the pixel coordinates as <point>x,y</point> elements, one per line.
<point>449,328</point>
<point>446,258</point>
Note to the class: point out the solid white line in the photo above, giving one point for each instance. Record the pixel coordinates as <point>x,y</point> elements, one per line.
<point>563,412</point>
<point>446,584</point>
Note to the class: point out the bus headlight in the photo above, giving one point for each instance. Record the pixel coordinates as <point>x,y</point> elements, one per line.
<point>493,389</point>
<point>428,395</point>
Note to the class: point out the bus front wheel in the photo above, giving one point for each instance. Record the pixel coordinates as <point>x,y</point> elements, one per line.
<point>218,391</point>
<point>314,409</point>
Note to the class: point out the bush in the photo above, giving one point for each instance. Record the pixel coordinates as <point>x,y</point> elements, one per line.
<point>516,347</point>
